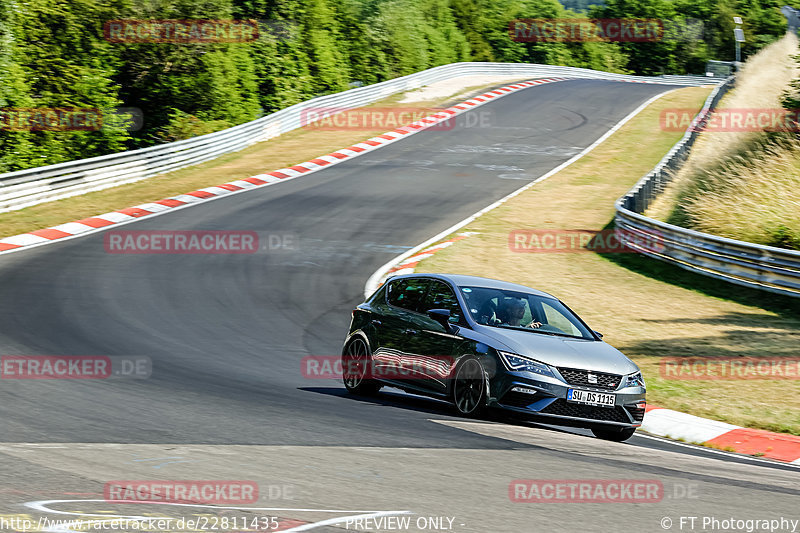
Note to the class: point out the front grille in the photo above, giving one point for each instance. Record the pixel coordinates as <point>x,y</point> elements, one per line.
<point>561,407</point>
<point>581,378</point>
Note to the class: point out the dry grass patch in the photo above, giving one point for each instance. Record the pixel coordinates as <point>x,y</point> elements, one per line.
<point>744,184</point>
<point>754,198</point>
<point>646,308</point>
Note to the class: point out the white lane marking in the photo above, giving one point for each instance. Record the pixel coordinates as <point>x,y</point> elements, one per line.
<point>420,257</point>
<point>331,521</point>
<point>374,280</point>
<point>42,506</point>
<point>514,176</point>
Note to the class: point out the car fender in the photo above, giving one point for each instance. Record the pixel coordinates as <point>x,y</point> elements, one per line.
<point>357,333</point>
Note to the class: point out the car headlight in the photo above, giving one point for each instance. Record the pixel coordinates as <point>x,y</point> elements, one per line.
<point>634,380</point>
<point>520,363</point>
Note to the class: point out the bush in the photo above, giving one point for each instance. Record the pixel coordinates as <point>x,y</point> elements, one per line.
<point>185,126</point>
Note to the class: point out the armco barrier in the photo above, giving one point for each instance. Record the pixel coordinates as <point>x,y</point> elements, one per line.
<point>32,186</point>
<point>752,265</point>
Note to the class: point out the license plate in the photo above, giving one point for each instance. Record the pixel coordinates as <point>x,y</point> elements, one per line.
<point>590,398</point>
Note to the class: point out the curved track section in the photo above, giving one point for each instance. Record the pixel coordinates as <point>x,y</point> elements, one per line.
<point>226,334</point>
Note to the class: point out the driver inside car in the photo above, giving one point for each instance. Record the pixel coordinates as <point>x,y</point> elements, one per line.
<point>513,313</point>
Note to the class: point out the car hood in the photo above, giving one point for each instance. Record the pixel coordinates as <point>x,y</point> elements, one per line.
<point>562,351</point>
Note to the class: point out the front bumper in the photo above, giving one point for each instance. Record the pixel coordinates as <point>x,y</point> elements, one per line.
<point>545,398</point>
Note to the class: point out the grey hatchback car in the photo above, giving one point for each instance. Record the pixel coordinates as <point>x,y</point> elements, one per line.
<point>482,343</point>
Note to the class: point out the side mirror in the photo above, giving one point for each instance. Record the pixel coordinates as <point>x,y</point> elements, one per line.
<point>598,333</point>
<point>442,316</point>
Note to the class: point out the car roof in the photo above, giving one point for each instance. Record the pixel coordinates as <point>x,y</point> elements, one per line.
<point>461,280</point>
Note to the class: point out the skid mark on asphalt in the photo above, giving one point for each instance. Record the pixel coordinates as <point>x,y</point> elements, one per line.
<point>167,460</point>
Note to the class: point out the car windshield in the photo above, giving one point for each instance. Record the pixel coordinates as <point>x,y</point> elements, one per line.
<point>523,311</point>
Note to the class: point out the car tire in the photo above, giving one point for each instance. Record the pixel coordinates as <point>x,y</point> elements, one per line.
<point>615,435</point>
<point>468,388</point>
<point>357,382</point>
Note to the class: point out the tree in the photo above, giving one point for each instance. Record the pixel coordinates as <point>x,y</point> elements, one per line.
<point>54,57</point>
<point>213,81</point>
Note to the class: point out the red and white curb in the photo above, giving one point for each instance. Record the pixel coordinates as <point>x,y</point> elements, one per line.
<point>408,265</point>
<point>696,430</point>
<point>131,214</point>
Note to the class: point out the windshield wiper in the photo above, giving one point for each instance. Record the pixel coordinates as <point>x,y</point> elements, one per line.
<point>533,330</point>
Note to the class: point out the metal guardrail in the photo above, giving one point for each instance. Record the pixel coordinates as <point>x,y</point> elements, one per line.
<point>752,265</point>
<point>32,186</point>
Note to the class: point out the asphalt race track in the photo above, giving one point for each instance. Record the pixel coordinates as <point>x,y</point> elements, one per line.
<point>226,333</point>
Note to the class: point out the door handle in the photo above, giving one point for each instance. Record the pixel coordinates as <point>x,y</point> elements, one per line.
<point>411,332</point>
<point>376,322</point>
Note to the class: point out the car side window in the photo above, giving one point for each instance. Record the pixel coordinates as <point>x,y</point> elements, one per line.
<point>407,293</point>
<point>441,296</point>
